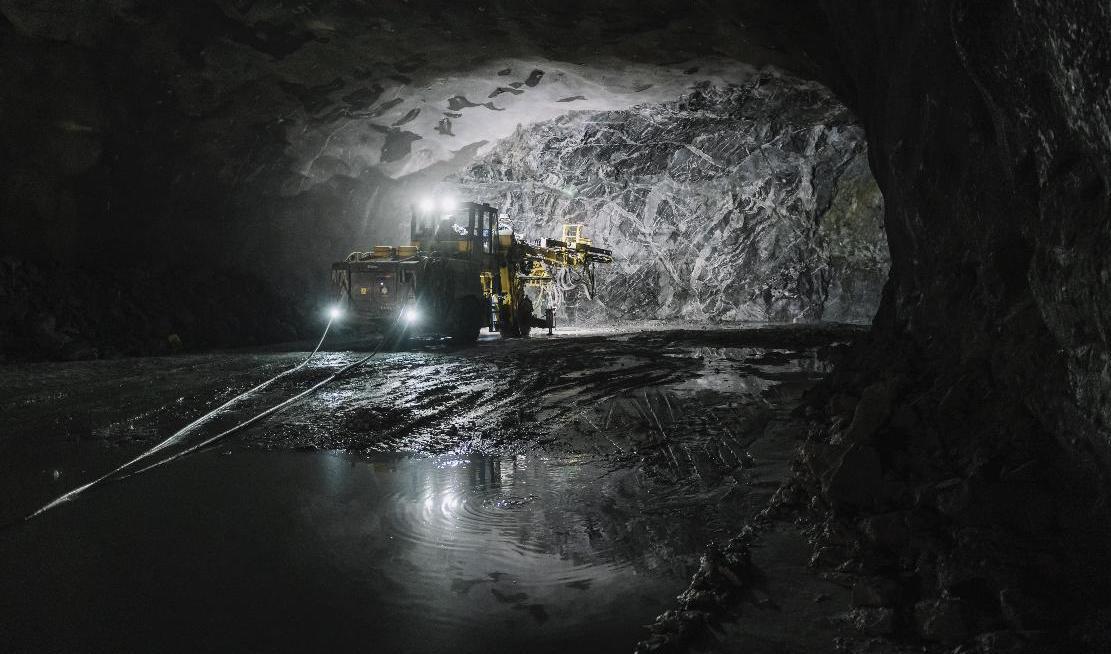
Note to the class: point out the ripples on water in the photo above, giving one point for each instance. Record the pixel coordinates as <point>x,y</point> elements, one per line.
<point>549,522</point>
<point>555,545</point>
<point>542,547</point>
<point>290,550</point>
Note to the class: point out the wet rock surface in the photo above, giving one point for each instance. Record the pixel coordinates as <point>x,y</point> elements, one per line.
<point>747,202</point>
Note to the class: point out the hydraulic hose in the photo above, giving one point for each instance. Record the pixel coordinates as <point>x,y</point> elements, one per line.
<point>268,412</point>
<point>179,434</point>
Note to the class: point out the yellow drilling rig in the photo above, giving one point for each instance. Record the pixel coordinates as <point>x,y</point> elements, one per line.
<point>463,271</point>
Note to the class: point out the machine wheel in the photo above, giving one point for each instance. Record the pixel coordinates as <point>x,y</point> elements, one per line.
<point>507,326</point>
<point>466,322</point>
<point>524,317</point>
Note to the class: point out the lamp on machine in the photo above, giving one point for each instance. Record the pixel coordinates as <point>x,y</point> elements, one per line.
<point>410,315</point>
<point>335,312</point>
<point>443,204</point>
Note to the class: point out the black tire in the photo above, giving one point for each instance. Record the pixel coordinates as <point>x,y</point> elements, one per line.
<point>524,317</point>
<point>507,326</point>
<point>466,321</point>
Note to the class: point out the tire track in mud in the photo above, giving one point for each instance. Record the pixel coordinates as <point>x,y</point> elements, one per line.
<point>418,402</point>
<point>621,398</point>
<point>682,413</point>
<point>502,396</point>
<point>693,440</point>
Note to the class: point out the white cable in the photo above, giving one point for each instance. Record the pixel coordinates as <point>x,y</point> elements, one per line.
<point>184,430</point>
<point>272,410</point>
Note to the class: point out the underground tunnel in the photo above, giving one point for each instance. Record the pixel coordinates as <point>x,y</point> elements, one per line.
<point>491,326</point>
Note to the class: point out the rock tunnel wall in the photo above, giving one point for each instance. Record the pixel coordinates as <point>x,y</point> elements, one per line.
<point>990,133</point>
<point>966,439</point>
<point>157,151</point>
<point>751,202</point>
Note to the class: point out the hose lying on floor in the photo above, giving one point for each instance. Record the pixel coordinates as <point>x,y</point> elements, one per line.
<point>272,410</point>
<point>179,434</point>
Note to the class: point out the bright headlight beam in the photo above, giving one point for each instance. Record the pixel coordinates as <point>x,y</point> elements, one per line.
<point>335,312</point>
<point>447,203</point>
<point>410,315</point>
<point>426,204</point>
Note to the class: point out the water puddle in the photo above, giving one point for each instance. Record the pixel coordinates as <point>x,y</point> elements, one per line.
<point>298,551</point>
<point>746,371</point>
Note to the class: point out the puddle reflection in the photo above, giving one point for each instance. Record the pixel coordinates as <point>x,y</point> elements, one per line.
<point>417,554</point>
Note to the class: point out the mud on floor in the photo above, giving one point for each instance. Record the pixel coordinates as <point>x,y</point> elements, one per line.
<point>700,421</point>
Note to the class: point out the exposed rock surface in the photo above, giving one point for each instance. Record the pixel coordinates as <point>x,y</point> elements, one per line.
<point>993,147</point>
<point>983,389</point>
<point>752,202</point>
<point>272,138</point>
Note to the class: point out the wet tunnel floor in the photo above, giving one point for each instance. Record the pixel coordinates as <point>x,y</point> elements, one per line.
<point>548,495</point>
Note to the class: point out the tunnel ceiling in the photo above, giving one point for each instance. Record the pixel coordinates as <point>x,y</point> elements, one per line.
<point>331,87</point>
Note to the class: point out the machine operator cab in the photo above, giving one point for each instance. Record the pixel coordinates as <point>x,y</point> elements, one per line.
<point>463,230</point>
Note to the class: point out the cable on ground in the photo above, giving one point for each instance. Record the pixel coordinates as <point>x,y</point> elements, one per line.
<point>179,434</point>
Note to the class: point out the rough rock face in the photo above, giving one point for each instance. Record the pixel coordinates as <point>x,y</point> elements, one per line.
<point>984,390</point>
<point>994,154</point>
<point>752,202</point>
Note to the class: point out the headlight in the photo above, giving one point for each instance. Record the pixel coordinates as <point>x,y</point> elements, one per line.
<point>426,205</point>
<point>410,315</point>
<point>335,312</point>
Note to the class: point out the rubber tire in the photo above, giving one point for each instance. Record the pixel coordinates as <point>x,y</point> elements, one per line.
<point>506,327</point>
<point>466,321</point>
<point>524,317</point>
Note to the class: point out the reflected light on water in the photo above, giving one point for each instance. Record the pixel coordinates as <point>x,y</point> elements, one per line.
<point>414,554</point>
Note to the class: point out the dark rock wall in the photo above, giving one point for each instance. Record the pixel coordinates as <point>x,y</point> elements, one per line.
<point>989,132</point>
<point>752,202</point>
<point>969,436</point>
<point>63,310</point>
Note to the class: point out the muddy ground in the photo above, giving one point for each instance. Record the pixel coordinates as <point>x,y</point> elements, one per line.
<point>622,453</point>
